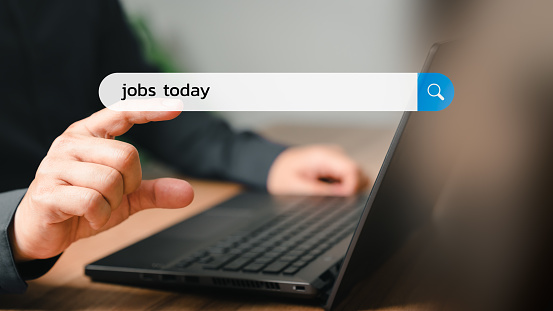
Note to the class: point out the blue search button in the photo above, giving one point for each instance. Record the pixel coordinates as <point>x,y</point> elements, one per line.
<point>435,92</point>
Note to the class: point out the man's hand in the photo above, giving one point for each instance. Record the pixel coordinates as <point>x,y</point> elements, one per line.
<point>315,170</point>
<point>88,183</point>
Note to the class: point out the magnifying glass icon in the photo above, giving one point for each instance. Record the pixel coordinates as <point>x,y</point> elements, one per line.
<point>439,94</point>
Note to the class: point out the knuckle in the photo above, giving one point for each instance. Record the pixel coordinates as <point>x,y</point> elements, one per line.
<point>63,142</point>
<point>351,167</point>
<point>43,190</point>
<point>318,154</point>
<point>324,148</point>
<point>112,179</point>
<point>92,199</point>
<point>42,194</point>
<point>127,155</point>
<point>328,149</point>
<point>46,168</point>
<point>43,173</point>
<point>73,126</point>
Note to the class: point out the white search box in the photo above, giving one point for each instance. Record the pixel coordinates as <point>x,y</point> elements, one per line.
<point>279,91</point>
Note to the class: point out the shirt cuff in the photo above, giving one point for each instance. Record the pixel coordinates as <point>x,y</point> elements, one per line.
<point>12,275</point>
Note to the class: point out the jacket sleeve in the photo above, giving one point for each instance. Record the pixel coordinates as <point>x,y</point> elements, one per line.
<point>196,143</point>
<point>12,275</point>
<point>202,145</point>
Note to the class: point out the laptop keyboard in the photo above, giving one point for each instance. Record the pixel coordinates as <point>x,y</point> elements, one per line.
<point>284,244</point>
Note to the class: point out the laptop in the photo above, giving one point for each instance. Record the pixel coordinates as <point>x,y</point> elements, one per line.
<point>305,247</point>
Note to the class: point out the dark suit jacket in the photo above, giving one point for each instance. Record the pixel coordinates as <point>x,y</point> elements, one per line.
<point>53,56</point>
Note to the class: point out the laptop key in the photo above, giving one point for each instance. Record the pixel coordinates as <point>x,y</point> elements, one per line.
<point>225,244</point>
<point>309,245</point>
<point>295,253</point>
<point>316,252</point>
<point>243,248</point>
<point>288,258</point>
<point>253,267</point>
<point>302,247</point>
<point>275,267</point>
<point>258,249</point>
<point>272,254</point>
<point>264,260</point>
<point>324,246</point>
<point>236,251</point>
<point>236,264</point>
<point>183,264</point>
<point>200,254</point>
<point>205,259</point>
<point>218,262</point>
<point>289,243</point>
<point>279,249</point>
<point>255,242</point>
<point>217,250</point>
<point>288,236</point>
<point>236,238</point>
<point>291,270</point>
<point>307,258</point>
<point>250,255</point>
<point>272,244</point>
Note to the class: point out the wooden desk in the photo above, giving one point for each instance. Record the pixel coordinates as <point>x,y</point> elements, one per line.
<point>66,287</point>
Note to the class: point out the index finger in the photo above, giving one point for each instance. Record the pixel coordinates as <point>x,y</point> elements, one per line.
<point>108,123</point>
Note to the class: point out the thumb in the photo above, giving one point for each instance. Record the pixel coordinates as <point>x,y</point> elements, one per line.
<point>161,193</point>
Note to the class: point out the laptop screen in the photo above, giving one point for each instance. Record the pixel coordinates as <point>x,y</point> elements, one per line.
<point>411,178</point>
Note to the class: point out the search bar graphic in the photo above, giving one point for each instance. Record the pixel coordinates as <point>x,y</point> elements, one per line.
<point>277,91</point>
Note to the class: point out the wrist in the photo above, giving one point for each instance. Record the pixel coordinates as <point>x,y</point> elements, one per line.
<point>17,253</point>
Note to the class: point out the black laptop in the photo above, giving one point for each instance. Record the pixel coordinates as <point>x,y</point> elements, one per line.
<point>312,247</point>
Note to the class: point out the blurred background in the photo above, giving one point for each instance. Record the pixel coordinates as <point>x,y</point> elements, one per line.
<point>286,36</point>
<point>492,217</point>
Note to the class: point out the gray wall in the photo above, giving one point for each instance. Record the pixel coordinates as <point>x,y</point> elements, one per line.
<point>290,36</point>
